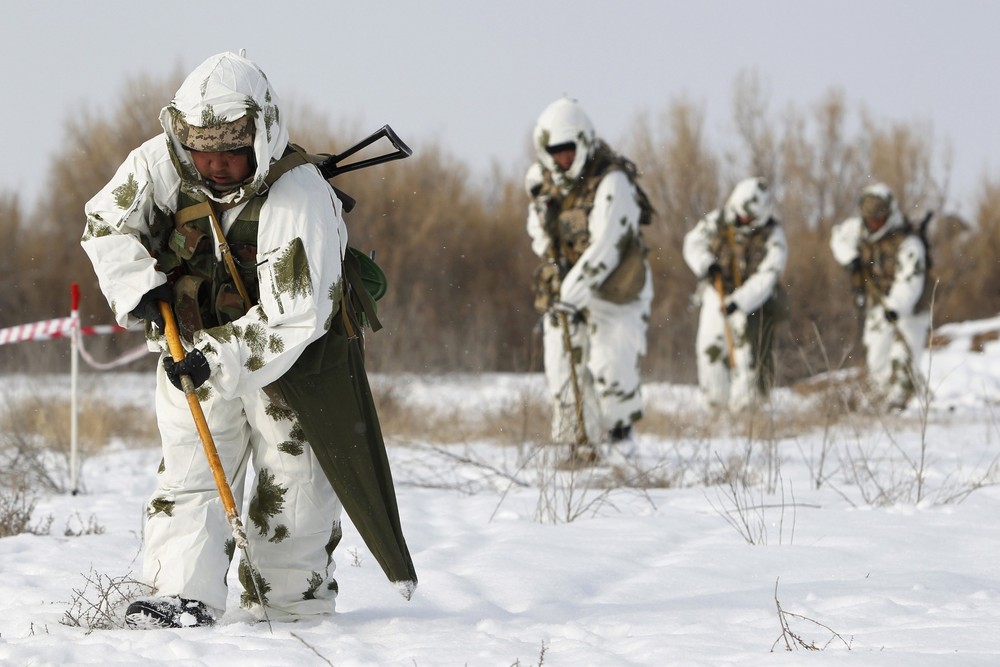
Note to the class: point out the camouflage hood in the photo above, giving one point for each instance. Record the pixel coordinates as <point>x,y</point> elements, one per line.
<point>225,88</point>
<point>877,199</point>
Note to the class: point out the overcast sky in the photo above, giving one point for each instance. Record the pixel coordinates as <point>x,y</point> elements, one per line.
<point>474,75</point>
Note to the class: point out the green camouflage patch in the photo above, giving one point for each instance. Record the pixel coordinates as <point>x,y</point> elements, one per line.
<point>280,533</point>
<point>336,534</point>
<point>209,118</point>
<point>291,271</point>
<point>224,334</point>
<point>125,193</point>
<point>315,581</point>
<point>255,338</point>
<point>716,354</point>
<point>335,294</point>
<point>268,501</point>
<point>248,598</point>
<point>279,413</point>
<point>291,447</point>
<point>295,445</point>
<point>96,228</point>
<point>160,506</point>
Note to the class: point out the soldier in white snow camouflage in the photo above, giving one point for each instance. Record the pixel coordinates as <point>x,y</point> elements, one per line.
<point>220,134</point>
<point>739,253</point>
<point>585,220</point>
<point>889,265</point>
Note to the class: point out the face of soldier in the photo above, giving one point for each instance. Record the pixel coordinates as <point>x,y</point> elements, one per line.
<point>563,155</point>
<point>225,170</point>
<point>875,223</point>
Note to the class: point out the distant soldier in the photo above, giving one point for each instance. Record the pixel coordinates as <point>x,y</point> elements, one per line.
<point>888,263</point>
<point>739,253</point>
<point>595,285</point>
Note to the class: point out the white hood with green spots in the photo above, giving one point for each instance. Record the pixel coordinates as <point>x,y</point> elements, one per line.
<point>222,89</point>
<point>301,237</point>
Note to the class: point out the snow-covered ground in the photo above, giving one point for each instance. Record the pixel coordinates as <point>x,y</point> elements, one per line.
<point>874,541</point>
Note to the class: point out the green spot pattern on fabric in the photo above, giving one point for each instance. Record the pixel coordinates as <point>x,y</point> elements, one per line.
<point>336,294</point>
<point>125,193</point>
<point>160,506</point>
<point>315,581</point>
<point>268,501</point>
<point>280,533</point>
<point>209,117</point>
<point>715,353</point>
<point>336,534</point>
<point>96,228</point>
<point>291,447</point>
<point>278,413</point>
<point>291,271</point>
<point>248,597</point>
<point>254,336</point>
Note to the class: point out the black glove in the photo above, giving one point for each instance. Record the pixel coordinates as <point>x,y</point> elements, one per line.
<point>891,315</point>
<point>149,305</point>
<point>713,270</point>
<point>855,265</point>
<point>194,365</point>
<point>731,308</point>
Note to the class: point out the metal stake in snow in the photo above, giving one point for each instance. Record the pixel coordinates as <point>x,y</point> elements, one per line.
<point>211,453</point>
<point>74,338</point>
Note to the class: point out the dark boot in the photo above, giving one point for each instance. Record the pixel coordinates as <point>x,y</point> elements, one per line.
<point>621,447</point>
<point>167,612</point>
<point>620,433</point>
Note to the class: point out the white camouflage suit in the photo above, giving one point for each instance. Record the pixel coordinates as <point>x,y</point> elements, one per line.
<point>735,387</point>
<point>610,338</point>
<point>893,349</point>
<point>293,516</point>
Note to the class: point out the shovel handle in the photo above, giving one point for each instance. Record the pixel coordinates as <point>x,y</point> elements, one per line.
<point>211,453</point>
<point>730,345</point>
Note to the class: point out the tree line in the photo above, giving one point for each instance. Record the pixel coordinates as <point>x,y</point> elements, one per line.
<point>458,259</point>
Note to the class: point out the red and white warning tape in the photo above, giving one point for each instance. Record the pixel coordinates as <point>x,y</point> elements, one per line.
<point>60,327</point>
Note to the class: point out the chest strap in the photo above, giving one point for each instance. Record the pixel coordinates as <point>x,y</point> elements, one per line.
<point>204,209</point>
